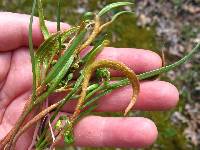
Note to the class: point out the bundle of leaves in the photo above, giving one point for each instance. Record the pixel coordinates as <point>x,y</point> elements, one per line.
<point>54,65</point>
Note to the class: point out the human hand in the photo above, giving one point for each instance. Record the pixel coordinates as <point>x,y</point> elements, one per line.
<point>93,131</point>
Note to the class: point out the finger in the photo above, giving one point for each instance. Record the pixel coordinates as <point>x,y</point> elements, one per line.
<point>14,32</point>
<point>139,60</point>
<point>127,132</point>
<point>154,95</point>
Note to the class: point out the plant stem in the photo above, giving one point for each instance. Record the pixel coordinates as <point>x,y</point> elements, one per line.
<point>58,25</point>
<point>34,120</point>
<point>18,125</point>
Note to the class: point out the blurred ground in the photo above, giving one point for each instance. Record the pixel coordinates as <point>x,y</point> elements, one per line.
<point>173,26</point>
<point>178,27</point>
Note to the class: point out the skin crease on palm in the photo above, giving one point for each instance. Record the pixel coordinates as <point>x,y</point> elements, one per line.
<point>93,131</point>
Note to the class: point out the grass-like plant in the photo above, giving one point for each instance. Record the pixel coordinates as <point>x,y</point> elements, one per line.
<point>57,61</point>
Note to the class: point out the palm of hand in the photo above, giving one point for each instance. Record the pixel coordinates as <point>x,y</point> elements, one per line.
<point>16,83</point>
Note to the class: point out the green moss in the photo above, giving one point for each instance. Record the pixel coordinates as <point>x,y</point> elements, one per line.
<point>127,34</point>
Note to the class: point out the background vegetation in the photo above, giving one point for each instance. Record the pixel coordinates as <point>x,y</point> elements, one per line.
<point>173,26</point>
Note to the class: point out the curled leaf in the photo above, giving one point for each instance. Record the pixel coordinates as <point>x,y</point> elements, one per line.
<point>119,14</point>
<point>103,73</point>
<point>113,65</point>
<point>115,17</point>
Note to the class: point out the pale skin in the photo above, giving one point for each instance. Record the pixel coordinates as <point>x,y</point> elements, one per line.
<point>93,131</point>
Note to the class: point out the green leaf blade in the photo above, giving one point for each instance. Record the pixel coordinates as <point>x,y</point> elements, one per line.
<point>119,14</point>
<point>112,6</point>
<point>170,67</point>
<point>42,20</point>
<point>31,49</point>
<point>59,65</point>
<point>48,49</point>
<point>62,73</point>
